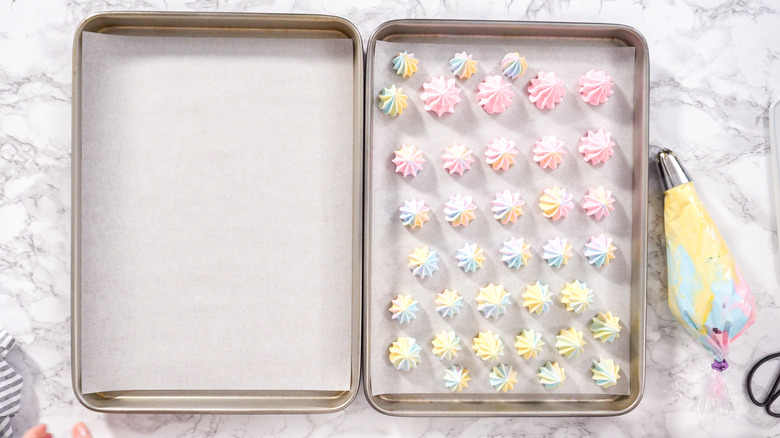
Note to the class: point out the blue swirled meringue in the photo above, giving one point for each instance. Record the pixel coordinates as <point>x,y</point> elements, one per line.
<point>605,372</point>
<point>600,250</point>
<point>515,252</point>
<point>513,65</point>
<point>405,64</point>
<point>404,309</point>
<point>551,375</point>
<point>456,378</point>
<point>462,65</point>
<point>423,262</point>
<point>470,257</point>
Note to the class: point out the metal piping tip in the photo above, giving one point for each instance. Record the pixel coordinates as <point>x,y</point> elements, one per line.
<point>672,172</point>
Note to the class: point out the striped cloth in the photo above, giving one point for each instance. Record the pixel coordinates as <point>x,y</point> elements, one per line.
<point>10,386</point>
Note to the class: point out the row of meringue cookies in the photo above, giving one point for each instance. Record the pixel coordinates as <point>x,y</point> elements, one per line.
<point>515,253</point>
<point>493,301</point>
<point>494,94</point>
<point>404,354</point>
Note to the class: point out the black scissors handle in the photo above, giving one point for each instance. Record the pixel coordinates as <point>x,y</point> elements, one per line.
<point>773,393</point>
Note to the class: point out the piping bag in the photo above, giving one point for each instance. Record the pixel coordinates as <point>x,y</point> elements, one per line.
<point>707,292</point>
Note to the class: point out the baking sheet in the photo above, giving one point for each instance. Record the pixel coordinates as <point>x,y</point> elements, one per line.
<point>216,227</point>
<point>524,123</point>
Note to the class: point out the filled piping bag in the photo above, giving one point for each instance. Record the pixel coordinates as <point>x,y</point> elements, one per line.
<point>707,292</point>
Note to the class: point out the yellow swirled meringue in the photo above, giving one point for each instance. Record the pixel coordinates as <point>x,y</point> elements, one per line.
<point>528,343</point>
<point>405,353</point>
<point>577,296</point>
<point>446,344</point>
<point>537,298</point>
<point>488,346</point>
<point>605,372</point>
<point>570,343</point>
<point>605,327</point>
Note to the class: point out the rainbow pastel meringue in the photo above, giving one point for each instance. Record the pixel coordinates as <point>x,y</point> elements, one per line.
<point>392,101</point>
<point>507,207</point>
<point>548,152</point>
<point>557,252</point>
<point>537,298</point>
<point>456,378</point>
<point>495,94</point>
<point>551,375</point>
<point>503,378</point>
<point>492,300</point>
<point>408,160</point>
<point>405,353</point>
<point>528,344</point>
<point>598,202</point>
<point>414,213</point>
<point>500,153</point>
<point>577,296</point>
<point>405,64</point>
<point>515,252</point>
<point>546,91</point>
<point>470,257</point>
<point>513,65</point>
<point>570,343</point>
<point>600,250</point>
<point>555,203</point>
<point>605,372</point>
<point>446,345</point>
<point>423,262</point>
<point>459,210</point>
<point>457,159</point>
<point>597,147</point>
<point>488,346</point>
<point>440,95</point>
<point>605,327</point>
<point>462,65</point>
<point>448,303</point>
<point>596,87</point>
<point>404,309</point>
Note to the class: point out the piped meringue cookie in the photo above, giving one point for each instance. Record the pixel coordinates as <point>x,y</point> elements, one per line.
<point>470,257</point>
<point>605,327</point>
<point>457,159</point>
<point>392,101</point>
<point>492,300</point>
<point>537,298</point>
<point>557,252</point>
<point>555,203</point>
<point>446,345</point>
<point>548,152</point>
<point>459,210</point>
<point>414,213</point>
<point>405,64</point>
<point>570,343</point>
<point>551,375</point>
<point>440,95</point>
<point>456,378</point>
<point>405,353</point>
<point>597,147</point>
<point>600,250</point>
<point>495,94</point>
<point>462,65</point>
<point>503,378</point>
<point>598,202</point>
<point>408,160</point>
<point>507,207</point>
<point>513,65</point>
<point>488,346</point>
<point>423,262</point>
<point>528,344</point>
<point>500,153</point>
<point>448,303</point>
<point>605,372</point>
<point>577,296</point>
<point>546,91</point>
<point>404,309</point>
<point>596,87</point>
<point>515,252</point>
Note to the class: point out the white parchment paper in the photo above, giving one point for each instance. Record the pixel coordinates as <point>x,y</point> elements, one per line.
<point>523,123</point>
<point>217,213</point>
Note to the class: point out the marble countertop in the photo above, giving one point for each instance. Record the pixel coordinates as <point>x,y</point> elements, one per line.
<point>715,69</point>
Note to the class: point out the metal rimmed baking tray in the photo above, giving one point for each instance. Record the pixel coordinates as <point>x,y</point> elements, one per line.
<point>93,234</point>
<point>416,33</point>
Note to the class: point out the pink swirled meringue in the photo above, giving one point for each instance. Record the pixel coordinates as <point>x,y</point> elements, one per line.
<point>440,95</point>
<point>597,147</point>
<point>598,202</point>
<point>546,90</point>
<point>507,207</point>
<point>495,94</point>
<point>457,159</point>
<point>596,87</point>
<point>408,160</point>
<point>555,203</point>
<point>500,153</point>
<point>548,152</point>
